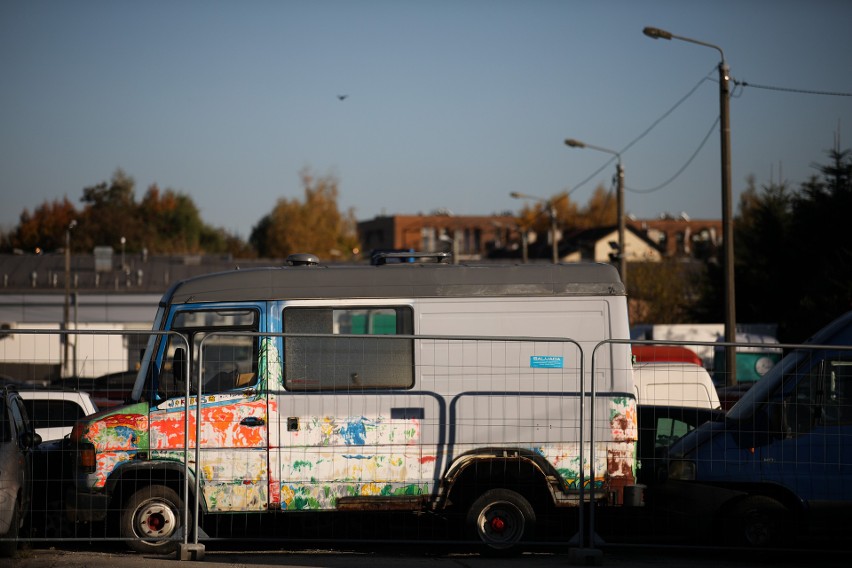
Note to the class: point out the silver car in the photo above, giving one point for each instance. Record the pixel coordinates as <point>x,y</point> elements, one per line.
<point>17,440</point>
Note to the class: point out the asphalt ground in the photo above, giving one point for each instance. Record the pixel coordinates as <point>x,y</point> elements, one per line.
<point>222,554</point>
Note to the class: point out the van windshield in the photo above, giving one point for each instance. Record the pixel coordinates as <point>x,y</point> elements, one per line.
<point>143,374</point>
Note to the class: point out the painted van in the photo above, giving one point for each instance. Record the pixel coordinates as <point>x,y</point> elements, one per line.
<point>405,386</point>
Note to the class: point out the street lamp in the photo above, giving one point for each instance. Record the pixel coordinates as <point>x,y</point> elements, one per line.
<point>727,214</point>
<point>123,265</point>
<point>622,254</point>
<point>65,313</point>
<point>552,210</point>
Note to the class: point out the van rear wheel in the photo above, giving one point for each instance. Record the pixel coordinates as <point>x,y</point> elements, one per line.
<point>501,519</point>
<point>151,519</point>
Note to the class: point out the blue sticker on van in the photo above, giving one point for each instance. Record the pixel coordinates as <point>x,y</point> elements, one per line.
<point>545,362</point>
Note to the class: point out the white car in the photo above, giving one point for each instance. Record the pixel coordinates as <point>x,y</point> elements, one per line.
<point>54,412</point>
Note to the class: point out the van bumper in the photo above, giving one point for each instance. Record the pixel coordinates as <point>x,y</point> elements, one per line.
<point>86,507</point>
<point>691,500</point>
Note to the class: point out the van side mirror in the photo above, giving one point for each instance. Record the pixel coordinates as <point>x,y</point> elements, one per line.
<point>29,440</point>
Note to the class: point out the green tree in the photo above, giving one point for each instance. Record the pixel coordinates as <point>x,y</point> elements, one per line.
<point>761,240</point>
<point>663,292</point>
<point>793,254</point>
<point>109,214</point>
<point>171,222</point>
<point>820,249</point>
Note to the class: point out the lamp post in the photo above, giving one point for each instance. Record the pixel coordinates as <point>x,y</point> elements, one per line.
<point>552,212</point>
<point>727,214</point>
<point>123,265</point>
<point>66,309</point>
<point>622,254</point>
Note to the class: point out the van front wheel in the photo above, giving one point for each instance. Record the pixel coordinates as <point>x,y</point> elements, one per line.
<point>151,519</point>
<point>501,519</point>
<point>759,521</point>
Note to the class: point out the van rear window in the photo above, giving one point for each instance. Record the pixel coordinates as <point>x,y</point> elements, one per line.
<point>348,348</point>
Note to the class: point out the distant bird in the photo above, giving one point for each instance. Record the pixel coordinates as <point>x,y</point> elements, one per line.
<point>342,97</point>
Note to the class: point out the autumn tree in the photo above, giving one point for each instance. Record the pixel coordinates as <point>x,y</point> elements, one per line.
<point>600,211</point>
<point>315,225</point>
<point>45,228</point>
<point>535,215</point>
<point>165,222</point>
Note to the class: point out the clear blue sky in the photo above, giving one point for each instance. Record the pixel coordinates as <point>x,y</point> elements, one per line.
<point>452,104</point>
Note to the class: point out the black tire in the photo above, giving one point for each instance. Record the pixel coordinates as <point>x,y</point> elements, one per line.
<point>758,521</point>
<point>501,519</point>
<point>151,520</point>
<point>9,541</point>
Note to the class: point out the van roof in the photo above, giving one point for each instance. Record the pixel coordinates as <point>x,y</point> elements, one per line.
<point>675,384</point>
<point>403,280</point>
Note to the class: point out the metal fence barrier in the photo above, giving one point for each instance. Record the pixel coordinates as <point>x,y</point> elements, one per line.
<point>292,445</point>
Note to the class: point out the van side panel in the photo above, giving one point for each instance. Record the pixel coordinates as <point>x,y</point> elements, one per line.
<point>525,394</point>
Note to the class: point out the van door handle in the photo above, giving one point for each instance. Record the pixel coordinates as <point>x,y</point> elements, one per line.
<point>252,421</point>
<point>408,413</point>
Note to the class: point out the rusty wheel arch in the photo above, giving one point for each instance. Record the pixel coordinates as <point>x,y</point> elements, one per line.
<point>474,472</point>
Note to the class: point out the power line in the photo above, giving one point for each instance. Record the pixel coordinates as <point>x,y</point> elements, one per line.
<point>792,90</point>
<point>683,168</point>
<point>646,132</point>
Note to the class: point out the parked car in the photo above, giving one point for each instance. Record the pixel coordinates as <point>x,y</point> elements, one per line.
<point>672,400</point>
<point>106,391</point>
<point>17,441</point>
<point>778,467</point>
<point>54,412</point>
<point>645,353</point>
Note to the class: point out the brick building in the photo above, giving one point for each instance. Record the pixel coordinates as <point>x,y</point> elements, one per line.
<point>469,237</point>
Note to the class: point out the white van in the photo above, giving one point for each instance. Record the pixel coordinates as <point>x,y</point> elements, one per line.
<point>675,384</point>
<point>409,387</point>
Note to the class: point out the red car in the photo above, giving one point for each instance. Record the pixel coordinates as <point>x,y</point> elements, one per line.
<point>664,354</point>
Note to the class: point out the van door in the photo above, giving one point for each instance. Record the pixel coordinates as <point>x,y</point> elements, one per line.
<point>812,451</point>
<point>352,424</point>
<point>223,359</point>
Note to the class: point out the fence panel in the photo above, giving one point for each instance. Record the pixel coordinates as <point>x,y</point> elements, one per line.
<point>354,438</point>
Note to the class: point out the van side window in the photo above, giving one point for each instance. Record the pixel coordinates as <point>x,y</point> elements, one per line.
<point>821,398</point>
<point>229,358</point>
<point>374,361</point>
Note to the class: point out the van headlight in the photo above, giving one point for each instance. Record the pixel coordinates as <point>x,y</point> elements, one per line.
<point>682,469</point>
